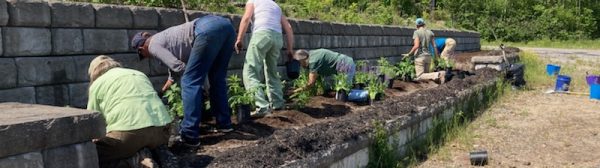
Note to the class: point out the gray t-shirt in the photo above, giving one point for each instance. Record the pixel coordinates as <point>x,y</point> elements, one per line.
<point>173,45</point>
<point>425,36</point>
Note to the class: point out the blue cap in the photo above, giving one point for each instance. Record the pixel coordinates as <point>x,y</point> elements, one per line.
<point>420,21</point>
<point>139,39</point>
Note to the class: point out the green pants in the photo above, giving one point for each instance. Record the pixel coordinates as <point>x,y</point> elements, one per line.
<point>260,68</point>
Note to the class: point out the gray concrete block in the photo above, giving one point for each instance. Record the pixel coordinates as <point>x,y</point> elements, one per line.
<point>21,43</point>
<point>338,28</point>
<point>113,16</point>
<point>358,159</point>
<point>66,14</point>
<point>8,73</point>
<point>78,95</point>
<point>158,68</point>
<point>28,13</point>
<point>237,19</point>
<point>28,127</point>
<point>237,60</point>
<point>326,28</point>
<point>193,14</point>
<point>352,29</point>
<point>364,41</point>
<point>34,71</point>
<point>1,46</point>
<point>67,41</point>
<point>23,95</point>
<point>101,41</point>
<point>3,14</point>
<point>487,59</point>
<point>132,61</point>
<point>27,160</point>
<point>55,95</point>
<point>144,17</point>
<point>316,41</point>
<point>302,41</point>
<point>170,17</point>
<point>71,156</point>
<point>326,41</point>
<point>82,64</point>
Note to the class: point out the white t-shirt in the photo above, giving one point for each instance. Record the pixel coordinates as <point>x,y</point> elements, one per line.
<point>267,15</point>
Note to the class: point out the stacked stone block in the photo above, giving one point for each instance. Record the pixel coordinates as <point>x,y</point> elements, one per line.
<point>46,47</point>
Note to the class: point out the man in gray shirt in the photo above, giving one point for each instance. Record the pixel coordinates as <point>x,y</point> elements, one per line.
<point>198,49</point>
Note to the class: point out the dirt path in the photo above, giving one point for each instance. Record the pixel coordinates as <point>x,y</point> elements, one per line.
<point>533,129</point>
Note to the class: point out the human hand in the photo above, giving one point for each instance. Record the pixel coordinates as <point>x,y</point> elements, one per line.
<point>290,54</point>
<point>238,46</point>
<point>167,85</point>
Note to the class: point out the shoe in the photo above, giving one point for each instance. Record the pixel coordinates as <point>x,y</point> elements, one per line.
<point>223,130</point>
<point>142,158</point>
<point>182,145</point>
<point>261,112</point>
<point>166,159</point>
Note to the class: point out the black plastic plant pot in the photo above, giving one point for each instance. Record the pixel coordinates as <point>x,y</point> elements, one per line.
<point>381,78</point>
<point>341,95</point>
<point>378,96</point>
<point>479,158</point>
<point>390,83</point>
<point>242,113</point>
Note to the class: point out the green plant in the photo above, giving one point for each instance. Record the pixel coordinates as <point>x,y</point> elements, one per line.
<point>361,77</point>
<point>301,98</point>
<point>341,82</point>
<point>386,68</point>
<point>381,153</point>
<point>405,69</point>
<point>361,65</point>
<point>442,64</point>
<point>375,87</point>
<point>175,101</point>
<point>238,95</point>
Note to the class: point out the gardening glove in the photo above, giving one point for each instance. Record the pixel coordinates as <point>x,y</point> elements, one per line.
<point>299,90</point>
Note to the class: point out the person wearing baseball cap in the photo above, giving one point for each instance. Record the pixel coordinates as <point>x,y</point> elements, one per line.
<point>325,63</point>
<point>199,49</point>
<point>423,40</point>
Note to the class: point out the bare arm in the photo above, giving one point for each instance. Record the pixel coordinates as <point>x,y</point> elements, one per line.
<point>289,33</point>
<point>239,43</point>
<point>312,79</point>
<point>416,45</point>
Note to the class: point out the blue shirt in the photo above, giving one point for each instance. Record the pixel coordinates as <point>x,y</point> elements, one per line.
<point>440,43</point>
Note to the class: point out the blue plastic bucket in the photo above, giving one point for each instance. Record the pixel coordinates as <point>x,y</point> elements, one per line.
<point>595,91</point>
<point>552,70</point>
<point>357,95</point>
<point>562,83</point>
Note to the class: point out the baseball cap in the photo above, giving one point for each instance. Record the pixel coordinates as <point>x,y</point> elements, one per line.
<point>420,21</point>
<point>138,41</point>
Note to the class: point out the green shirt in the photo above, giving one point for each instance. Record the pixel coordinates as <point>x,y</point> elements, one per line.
<point>127,101</point>
<point>324,62</point>
<point>425,37</point>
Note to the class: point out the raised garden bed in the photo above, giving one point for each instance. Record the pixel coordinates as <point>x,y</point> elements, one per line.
<point>297,137</point>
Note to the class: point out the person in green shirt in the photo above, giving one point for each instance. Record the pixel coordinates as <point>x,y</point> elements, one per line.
<point>325,63</point>
<point>135,116</point>
<point>423,39</point>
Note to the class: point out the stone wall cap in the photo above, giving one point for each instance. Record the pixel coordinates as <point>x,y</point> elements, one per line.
<point>14,113</point>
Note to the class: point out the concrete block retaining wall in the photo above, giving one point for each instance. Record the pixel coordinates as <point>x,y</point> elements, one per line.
<point>48,137</point>
<point>404,131</point>
<point>45,47</point>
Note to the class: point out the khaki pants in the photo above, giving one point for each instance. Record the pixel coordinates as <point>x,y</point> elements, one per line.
<point>117,146</point>
<point>448,49</point>
<point>422,63</point>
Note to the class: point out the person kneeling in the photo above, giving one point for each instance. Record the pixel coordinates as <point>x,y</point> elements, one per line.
<point>136,119</point>
<point>326,63</point>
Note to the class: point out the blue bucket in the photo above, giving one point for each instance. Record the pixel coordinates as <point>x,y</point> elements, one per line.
<point>595,91</point>
<point>357,95</point>
<point>552,70</point>
<point>562,83</point>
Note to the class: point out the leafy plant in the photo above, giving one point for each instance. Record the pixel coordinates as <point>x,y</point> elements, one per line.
<point>442,64</point>
<point>301,98</point>
<point>375,87</point>
<point>386,68</point>
<point>405,69</point>
<point>361,65</point>
<point>341,82</point>
<point>361,77</point>
<point>175,101</point>
<point>238,95</point>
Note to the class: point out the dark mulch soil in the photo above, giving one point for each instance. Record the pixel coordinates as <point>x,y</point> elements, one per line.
<point>293,134</point>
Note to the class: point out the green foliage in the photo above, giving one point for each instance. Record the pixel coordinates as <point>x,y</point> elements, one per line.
<point>238,95</point>
<point>375,87</point>
<point>301,98</point>
<point>386,68</point>
<point>405,69</point>
<point>361,64</point>
<point>381,153</point>
<point>442,64</point>
<point>361,77</point>
<point>341,82</point>
<point>175,101</point>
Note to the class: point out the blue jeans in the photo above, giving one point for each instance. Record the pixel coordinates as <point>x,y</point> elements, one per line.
<point>211,51</point>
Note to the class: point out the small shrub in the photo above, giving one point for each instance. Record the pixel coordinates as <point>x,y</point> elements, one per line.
<point>175,101</point>
<point>405,69</point>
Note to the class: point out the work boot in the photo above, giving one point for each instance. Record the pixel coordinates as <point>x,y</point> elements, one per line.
<point>166,159</point>
<point>142,158</point>
<point>181,145</point>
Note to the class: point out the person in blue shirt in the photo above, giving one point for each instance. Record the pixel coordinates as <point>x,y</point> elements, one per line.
<point>446,45</point>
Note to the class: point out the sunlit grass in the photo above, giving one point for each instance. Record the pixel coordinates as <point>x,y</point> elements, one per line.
<point>570,44</point>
